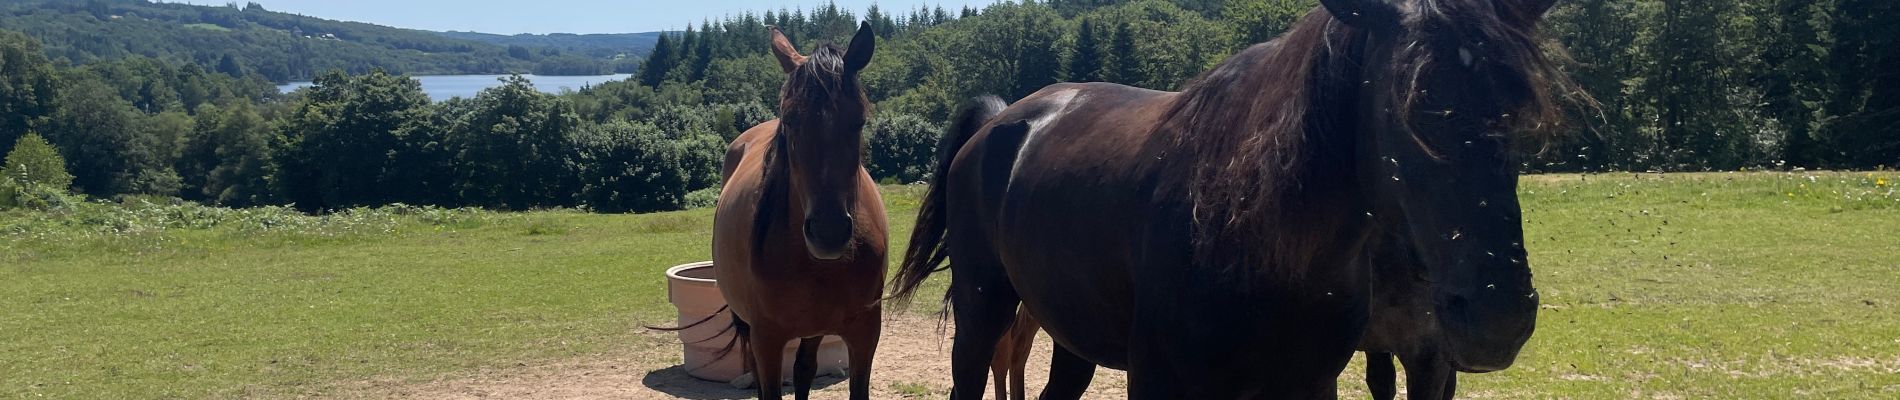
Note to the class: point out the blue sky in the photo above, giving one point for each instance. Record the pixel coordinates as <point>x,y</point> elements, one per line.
<point>549,16</point>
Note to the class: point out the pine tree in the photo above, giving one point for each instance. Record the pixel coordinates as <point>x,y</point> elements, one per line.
<point>685,56</point>
<point>653,71</point>
<point>702,52</point>
<point>1038,64</point>
<point>1127,68</point>
<point>1086,63</point>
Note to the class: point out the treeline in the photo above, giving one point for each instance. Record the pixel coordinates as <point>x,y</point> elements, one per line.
<point>1679,85</point>
<point>282,47</point>
<point>622,51</point>
<point>1726,84</point>
<point>144,128</point>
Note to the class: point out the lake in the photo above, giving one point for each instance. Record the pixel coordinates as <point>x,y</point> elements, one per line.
<point>444,87</point>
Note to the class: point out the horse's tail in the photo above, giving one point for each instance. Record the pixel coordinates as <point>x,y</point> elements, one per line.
<point>927,252</point>
<point>731,324</point>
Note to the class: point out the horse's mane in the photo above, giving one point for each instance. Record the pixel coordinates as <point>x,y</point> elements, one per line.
<point>1276,118</point>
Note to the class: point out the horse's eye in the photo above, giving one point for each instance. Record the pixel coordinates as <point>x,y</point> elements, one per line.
<point>1465,57</point>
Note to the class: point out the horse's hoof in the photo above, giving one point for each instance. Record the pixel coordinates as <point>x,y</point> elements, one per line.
<point>744,381</point>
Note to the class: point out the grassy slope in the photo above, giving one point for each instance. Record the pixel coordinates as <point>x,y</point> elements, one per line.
<point>1773,286</point>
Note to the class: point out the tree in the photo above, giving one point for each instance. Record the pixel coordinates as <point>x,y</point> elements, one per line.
<point>654,70</point>
<point>902,148</point>
<point>1126,68</point>
<point>638,167</point>
<point>702,54</point>
<point>1865,103</point>
<point>1600,35</point>
<point>229,65</point>
<point>1794,75</point>
<point>1038,57</point>
<point>1694,85</point>
<point>881,23</point>
<point>228,158</point>
<point>1085,65</point>
<point>1260,21</point>
<point>343,142</point>
<point>529,129</point>
<point>28,87</point>
<point>97,133</point>
<point>33,161</point>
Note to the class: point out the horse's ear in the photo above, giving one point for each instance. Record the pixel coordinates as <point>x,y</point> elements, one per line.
<point>788,57</point>
<point>1364,14</point>
<point>863,45</point>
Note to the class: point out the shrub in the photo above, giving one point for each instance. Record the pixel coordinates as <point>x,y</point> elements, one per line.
<point>703,198</point>
<point>902,147</point>
<point>638,167</point>
<point>34,161</point>
<point>34,175</point>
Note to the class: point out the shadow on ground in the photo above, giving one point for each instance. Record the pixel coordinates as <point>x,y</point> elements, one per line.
<point>674,381</point>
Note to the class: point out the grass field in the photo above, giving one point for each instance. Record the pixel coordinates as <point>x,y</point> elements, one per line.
<point>1725,285</point>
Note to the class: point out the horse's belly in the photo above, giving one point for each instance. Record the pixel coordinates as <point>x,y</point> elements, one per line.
<point>1072,276</point>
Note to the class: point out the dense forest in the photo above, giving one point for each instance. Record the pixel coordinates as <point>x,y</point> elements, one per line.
<point>281,47</point>
<point>1678,85</point>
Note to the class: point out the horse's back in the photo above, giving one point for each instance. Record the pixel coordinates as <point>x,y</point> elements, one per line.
<point>1057,181</point>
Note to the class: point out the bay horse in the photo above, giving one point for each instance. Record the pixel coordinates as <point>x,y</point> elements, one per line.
<point>799,233</point>
<point>1401,324</point>
<point>1012,356</point>
<point>1206,241</point>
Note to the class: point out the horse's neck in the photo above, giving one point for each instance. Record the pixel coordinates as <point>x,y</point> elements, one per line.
<point>779,203</point>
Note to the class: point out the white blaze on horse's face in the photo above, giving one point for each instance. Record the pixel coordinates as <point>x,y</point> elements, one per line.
<point>822,113</point>
<point>1435,96</point>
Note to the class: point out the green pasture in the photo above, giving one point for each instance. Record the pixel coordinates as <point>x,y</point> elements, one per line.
<point>1720,285</point>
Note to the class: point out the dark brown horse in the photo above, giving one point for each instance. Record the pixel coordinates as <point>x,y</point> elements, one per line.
<point>1206,241</point>
<point>1401,324</point>
<point>799,236</point>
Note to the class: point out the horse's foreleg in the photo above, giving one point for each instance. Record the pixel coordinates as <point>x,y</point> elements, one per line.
<point>1381,379</point>
<point>1427,377</point>
<point>769,358</point>
<point>1069,376</point>
<point>1451,385</point>
<point>861,342</point>
<point>805,367</point>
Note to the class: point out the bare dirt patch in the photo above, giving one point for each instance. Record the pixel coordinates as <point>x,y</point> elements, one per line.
<point>913,361</point>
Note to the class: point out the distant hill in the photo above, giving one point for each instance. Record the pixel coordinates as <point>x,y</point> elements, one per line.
<point>596,45</point>
<point>279,46</point>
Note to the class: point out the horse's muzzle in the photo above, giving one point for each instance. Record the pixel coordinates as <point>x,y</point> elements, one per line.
<point>1484,331</point>
<point>826,238</point>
